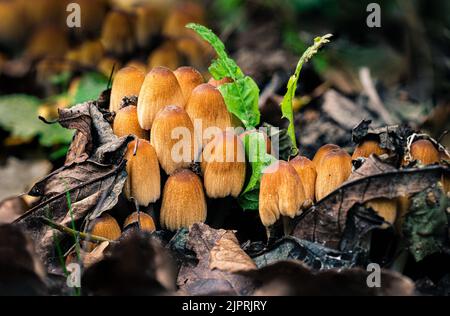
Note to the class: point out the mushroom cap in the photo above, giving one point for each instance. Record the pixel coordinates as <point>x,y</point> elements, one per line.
<point>166,55</point>
<point>127,82</point>
<point>207,106</point>
<point>307,172</point>
<point>183,202</point>
<point>146,221</point>
<point>223,166</point>
<point>368,147</point>
<point>425,152</point>
<point>126,123</point>
<point>173,138</point>
<point>386,208</point>
<point>160,89</point>
<point>103,226</point>
<point>218,83</point>
<point>143,182</point>
<point>334,169</point>
<point>188,78</point>
<point>281,193</point>
<point>117,33</point>
<point>322,151</point>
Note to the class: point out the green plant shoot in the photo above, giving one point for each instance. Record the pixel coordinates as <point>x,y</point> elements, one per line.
<point>286,104</point>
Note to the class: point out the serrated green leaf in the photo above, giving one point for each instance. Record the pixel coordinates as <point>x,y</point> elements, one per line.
<point>241,96</point>
<point>19,116</point>
<point>286,104</point>
<point>90,86</point>
<point>255,151</point>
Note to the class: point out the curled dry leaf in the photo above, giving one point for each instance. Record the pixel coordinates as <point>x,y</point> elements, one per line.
<point>95,255</point>
<point>216,250</point>
<point>227,255</point>
<point>136,265</point>
<point>93,138</point>
<point>293,278</point>
<point>325,222</point>
<point>90,186</point>
<point>393,138</point>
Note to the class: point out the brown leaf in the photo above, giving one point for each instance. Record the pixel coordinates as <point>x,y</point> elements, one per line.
<point>227,255</point>
<point>325,222</point>
<point>136,265</point>
<point>212,274</point>
<point>95,255</point>
<point>90,186</point>
<point>294,278</point>
<point>94,137</point>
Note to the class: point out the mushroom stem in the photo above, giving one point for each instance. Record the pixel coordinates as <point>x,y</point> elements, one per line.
<point>288,225</point>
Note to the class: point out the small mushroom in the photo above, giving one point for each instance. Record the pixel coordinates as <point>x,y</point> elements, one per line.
<point>104,226</point>
<point>223,166</point>
<point>144,221</point>
<point>207,105</point>
<point>183,202</point>
<point>333,169</point>
<point>127,82</point>
<point>281,193</point>
<point>126,123</point>
<point>173,138</point>
<point>188,78</point>
<point>160,89</point>
<point>143,181</point>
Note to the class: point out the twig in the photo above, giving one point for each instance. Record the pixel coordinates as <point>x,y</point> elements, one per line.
<point>371,91</point>
<point>70,231</point>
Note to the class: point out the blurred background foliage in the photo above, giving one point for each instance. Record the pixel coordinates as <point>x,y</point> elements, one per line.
<point>44,65</point>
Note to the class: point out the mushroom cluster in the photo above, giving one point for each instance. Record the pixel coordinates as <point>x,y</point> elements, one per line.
<point>211,163</point>
<point>169,102</point>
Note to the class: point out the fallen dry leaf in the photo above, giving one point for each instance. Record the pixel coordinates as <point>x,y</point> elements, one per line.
<point>325,222</point>
<point>95,255</point>
<point>206,277</point>
<point>91,186</point>
<point>227,255</point>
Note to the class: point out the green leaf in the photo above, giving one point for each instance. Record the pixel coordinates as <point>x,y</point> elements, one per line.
<point>286,104</point>
<point>255,151</point>
<point>241,96</point>
<point>426,224</point>
<point>90,87</point>
<point>19,116</point>
<point>241,92</point>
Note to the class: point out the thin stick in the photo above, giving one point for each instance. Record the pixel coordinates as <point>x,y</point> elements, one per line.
<point>70,231</point>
